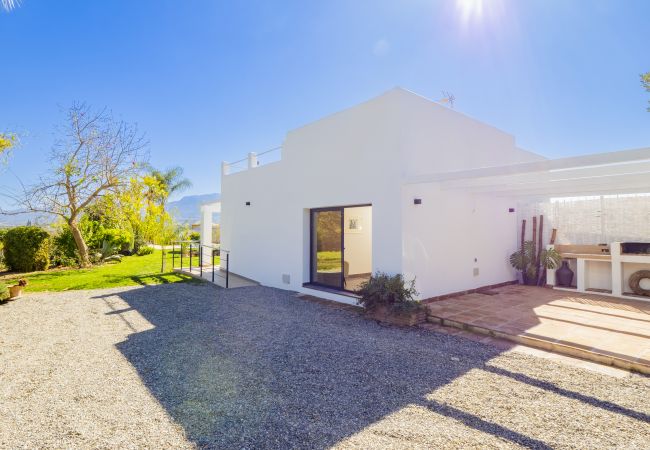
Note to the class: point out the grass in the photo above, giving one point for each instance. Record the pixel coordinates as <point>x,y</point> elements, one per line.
<point>328,260</point>
<point>132,271</point>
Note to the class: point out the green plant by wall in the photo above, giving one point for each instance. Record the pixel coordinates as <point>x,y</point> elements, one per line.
<point>528,260</point>
<point>27,249</point>
<point>383,289</point>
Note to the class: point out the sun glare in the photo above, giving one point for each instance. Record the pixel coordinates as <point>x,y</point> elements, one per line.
<point>470,8</point>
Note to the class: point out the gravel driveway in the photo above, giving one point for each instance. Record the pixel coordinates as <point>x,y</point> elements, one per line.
<point>187,365</point>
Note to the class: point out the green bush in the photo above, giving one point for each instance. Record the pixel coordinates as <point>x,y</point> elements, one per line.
<point>4,292</point>
<point>383,289</point>
<point>117,238</point>
<point>64,249</point>
<point>146,250</point>
<point>27,249</point>
<point>195,236</point>
<point>92,231</point>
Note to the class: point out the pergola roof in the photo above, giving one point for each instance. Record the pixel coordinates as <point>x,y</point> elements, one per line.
<point>620,172</point>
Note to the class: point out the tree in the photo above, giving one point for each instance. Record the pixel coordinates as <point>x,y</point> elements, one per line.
<point>645,82</point>
<point>96,155</point>
<point>7,142</point>
<point>171,181</point>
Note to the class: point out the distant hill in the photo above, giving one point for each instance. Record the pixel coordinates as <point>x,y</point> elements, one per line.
<point>185,210</point>
<point>7,221</point>
<point>188,208</point>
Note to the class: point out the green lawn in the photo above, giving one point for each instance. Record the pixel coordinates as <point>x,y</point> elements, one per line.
<point>328,260</point>
<point>132,271</point>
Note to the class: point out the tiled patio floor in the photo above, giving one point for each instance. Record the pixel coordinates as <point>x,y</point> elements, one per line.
<point>598,328</point>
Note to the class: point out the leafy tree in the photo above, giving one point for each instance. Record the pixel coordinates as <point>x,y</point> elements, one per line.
<point>143,211</point>
<point>170,181</point>
<point>7,142</point>
<point>645,82</point>
<point>96,155</point>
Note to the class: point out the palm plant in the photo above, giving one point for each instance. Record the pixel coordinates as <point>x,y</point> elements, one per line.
<point>529,262</point>
<point>171,181</point>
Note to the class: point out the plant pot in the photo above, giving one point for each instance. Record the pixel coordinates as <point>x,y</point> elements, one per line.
<point>528,281</point>
<point>404,318</point>
<point>15,291</point>
<point>564,275</point>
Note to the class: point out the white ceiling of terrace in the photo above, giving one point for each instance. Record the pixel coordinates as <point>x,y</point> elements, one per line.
<point>604,173</point>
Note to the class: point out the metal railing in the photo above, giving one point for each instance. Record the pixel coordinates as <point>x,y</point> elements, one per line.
<point>197,252</point>
<point>252,160</point>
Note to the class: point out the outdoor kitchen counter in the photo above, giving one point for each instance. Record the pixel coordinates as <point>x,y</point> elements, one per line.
<point>602,268</point>
<point>600,256</point>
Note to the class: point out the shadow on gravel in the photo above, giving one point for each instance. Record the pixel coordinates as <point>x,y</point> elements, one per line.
<point>257,367</point>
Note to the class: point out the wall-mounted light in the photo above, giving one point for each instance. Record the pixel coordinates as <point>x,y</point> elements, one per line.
<point>417,201</point>
<point>248,203</point>
<point>511,209</point>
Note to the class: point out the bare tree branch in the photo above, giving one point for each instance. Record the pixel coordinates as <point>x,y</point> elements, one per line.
<point>95,154</point>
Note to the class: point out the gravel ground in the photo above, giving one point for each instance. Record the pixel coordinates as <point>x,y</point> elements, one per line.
<point>185,365</point>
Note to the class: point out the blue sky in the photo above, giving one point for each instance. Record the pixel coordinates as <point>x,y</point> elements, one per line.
<point>212,80</point>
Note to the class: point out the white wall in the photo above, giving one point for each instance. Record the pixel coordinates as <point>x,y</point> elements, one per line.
<point>358,245</point>
<point>452,233</point>
<point>345,159</point>
<point>438,139</point>
<point>360,156</point>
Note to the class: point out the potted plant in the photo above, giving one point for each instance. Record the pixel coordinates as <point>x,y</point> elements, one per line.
<point>529,262</point>
<point>17,290</point>
<point>390,298</point>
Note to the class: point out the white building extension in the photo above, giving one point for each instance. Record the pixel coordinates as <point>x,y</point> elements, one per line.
<point>398,184</point>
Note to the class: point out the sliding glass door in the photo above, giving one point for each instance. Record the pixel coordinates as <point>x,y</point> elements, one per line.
<point>341,246</point>
<point>327,247</point>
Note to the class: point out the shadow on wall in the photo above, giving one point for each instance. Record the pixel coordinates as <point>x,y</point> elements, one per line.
<point>257,367</point>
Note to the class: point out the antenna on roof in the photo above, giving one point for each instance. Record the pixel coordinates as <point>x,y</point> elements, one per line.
<point>447,98</point>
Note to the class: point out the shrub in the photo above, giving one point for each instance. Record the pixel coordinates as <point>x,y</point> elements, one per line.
<point>146,250</point>
<point>383,289</point>
<point>92,231</point>
<point>117,238</point>
<point>525,260</point>
<point>64,249</point>
<point>195,236</point>
<point>4,292</point>
<point>27,249</point>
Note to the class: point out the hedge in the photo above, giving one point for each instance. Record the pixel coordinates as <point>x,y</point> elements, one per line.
<point>27,249</point>
<point>4,292</point>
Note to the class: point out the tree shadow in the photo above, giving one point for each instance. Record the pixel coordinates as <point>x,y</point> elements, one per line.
<point>258,367</point>
<point>163,278</point>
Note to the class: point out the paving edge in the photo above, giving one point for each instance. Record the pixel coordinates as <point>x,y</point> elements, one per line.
<point>563,349</point>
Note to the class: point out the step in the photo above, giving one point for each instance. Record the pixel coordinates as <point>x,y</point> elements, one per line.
<point>641,365</point>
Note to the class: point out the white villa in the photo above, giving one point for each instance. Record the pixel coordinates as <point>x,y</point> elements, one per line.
<point>402,184</point>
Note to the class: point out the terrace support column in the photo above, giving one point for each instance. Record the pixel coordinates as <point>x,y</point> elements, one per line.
<point>581,274</point>
<point>206,235</point>
<point>617,268</point>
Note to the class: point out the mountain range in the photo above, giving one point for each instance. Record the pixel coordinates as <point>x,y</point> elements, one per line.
<point>188,208</point>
